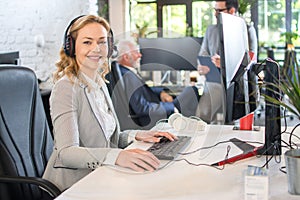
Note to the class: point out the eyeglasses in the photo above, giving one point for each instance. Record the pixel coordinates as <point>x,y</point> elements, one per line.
<point>220,10</point>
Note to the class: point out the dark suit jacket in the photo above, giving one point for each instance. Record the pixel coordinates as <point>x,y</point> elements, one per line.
<point>144,102</point>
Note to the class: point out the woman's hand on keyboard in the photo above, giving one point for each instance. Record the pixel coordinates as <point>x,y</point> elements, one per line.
<point>138,160</point>
<point>153,136</point>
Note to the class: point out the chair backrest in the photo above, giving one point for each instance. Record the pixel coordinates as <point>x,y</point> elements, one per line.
<point>116,89</point>
<point>25,139</point>
<point>10,58</point>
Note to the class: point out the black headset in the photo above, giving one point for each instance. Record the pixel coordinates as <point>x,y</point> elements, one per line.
<point>69,41</point>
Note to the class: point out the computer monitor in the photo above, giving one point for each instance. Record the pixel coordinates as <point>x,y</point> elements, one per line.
<point>239,78</point>
<point>9,58</point>
<point>240,95</point>
<point>169,53</point>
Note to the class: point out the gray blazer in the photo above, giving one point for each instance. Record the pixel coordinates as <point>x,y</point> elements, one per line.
<point>211,41</point>
<point>79,141</point>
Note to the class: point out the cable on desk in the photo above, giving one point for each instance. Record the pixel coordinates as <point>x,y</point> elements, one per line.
<point>267,161</point>
<point>203,148</point>
<point>214,145</point>
<point>282,169</point>
<point>290,138</point>
<point>290,143</point>
<point>275,146</point>
<point>199,164</point>
<point>285,122</point>
<point>291,133</point>
<point>207,165</point>
<point>287,145</point>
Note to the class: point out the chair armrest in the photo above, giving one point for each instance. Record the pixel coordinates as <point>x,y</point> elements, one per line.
<point>44,184</point>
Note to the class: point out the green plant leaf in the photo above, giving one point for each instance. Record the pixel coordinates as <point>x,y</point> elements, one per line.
<point>288,85</point>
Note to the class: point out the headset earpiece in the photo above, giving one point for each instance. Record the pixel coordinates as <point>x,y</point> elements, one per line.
<point>69,42</point>
<point>68,46</point>
<point>110,41</point>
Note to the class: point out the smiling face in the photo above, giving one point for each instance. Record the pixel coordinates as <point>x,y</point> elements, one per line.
<point>91,48</point>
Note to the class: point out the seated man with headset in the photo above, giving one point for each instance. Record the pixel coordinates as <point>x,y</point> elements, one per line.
<point>149,105</point>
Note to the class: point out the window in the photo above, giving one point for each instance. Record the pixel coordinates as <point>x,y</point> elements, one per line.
<point>191,18</point>
<point>277,17</point>
<point>143,18</point>
<point>271,22</point>
<point>174,21</point>
<point>295,23</point>
<point>172,18</point>
<point>203,16</point>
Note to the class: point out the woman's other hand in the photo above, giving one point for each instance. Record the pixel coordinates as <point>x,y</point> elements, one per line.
<point>137,159</point>
<point>141,160</point>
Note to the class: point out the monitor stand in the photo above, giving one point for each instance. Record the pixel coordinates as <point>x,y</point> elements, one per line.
<point>272,145</point>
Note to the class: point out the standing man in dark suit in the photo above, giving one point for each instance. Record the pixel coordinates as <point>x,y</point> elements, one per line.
<point>149,105</point>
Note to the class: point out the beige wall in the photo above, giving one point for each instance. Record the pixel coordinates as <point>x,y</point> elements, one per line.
<point>119,18</point>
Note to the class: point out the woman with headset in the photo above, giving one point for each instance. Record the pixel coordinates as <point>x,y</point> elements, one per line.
<point>86,129</point>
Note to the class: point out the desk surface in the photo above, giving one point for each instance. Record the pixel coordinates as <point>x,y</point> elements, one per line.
<point>181,181</point>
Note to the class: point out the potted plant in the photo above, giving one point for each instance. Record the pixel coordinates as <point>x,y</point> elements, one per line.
<point>289,37</point>
<point>244,5</point>
<point>142,31</point>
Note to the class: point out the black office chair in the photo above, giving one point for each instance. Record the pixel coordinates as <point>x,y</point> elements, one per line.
<point>10,58</point>
<point>116,89</point>
<point>45,94</point>
<point>25,139</point>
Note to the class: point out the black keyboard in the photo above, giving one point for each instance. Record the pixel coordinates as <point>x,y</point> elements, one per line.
<point>166,149</point>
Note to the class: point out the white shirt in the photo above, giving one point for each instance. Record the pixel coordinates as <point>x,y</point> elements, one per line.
<point>103,112</point>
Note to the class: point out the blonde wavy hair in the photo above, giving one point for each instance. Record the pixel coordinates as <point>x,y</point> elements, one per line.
<point>67,65</point>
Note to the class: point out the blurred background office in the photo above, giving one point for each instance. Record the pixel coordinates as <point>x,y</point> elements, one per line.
<point>34,27</point>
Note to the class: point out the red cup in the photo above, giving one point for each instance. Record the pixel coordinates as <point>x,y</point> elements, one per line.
<point>246,122</point>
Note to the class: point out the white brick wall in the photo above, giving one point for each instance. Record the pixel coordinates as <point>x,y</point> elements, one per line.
<point>24,21</point>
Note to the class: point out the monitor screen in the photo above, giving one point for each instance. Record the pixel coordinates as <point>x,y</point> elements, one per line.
<point>235,65</point>
<point>169,53</point>
<point>9,58</point>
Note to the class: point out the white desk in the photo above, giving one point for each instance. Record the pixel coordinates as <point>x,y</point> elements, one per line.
<point>181,181</point>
